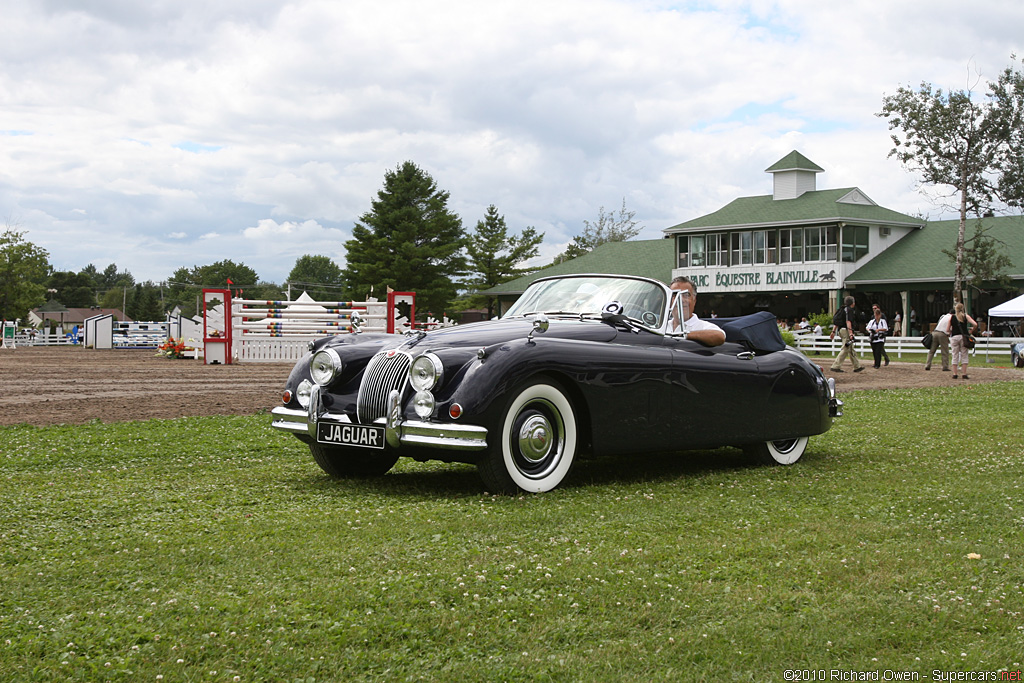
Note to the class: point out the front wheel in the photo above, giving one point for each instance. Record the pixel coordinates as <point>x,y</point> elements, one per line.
<point>538,442</point>
<point>784,452</point>
<point>340,462</point>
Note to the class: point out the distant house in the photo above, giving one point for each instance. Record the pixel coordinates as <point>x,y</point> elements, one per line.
<point>68,317</point>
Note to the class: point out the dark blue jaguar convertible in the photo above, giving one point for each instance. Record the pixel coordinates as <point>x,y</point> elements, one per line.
<point>581,365</point>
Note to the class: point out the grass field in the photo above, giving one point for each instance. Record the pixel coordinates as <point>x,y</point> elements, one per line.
<point>213,549</point>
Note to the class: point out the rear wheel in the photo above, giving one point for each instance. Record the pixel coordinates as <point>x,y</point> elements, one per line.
<point>538,442</point>
<point>343,462</point>
<point>783,452</point>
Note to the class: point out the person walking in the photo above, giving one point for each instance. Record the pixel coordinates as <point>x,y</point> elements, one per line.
<point>877,329</point>
<point>843,322</point>
<point>940,340</point>
<point>962,326</point>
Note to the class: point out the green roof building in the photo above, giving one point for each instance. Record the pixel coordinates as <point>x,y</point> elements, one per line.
<point>800,250</point>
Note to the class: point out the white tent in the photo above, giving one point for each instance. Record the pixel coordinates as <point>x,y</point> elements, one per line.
<point>1014,308</point>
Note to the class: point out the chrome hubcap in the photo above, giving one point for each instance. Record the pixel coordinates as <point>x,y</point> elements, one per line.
<point>785,446</point>
<point>535,438</point>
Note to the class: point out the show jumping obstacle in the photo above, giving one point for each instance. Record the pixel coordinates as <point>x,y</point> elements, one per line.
<point>273,331</point>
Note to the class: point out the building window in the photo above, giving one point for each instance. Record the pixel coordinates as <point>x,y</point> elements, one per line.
<point>764,247</point>
<point>812,244</point>
<point>683,248</point>
<point>855,243</point>
<point>820,244</point>
<point>791,245</point>
<point>831,243</point>
<point>697,251</point>
<point>742,248</point>
<point>718,249</point>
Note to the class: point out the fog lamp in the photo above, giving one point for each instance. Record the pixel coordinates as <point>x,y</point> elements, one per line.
<point>303,391</point>
<point>423,403</point>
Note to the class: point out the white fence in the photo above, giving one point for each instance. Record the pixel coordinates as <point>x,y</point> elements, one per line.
<point>273,331</point>
<point>139,335</point>
<point>279,331</point>
<point>133,335</point>
<point>993,349</point>
<point>44,338</point>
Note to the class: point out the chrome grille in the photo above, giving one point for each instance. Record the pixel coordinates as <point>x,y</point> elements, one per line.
<point>383,373</point>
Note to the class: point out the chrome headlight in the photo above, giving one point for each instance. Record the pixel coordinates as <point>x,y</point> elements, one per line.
<point>423,404</point>
<point>425,372</point>
<point>325,366</point>
<point>303,391</point>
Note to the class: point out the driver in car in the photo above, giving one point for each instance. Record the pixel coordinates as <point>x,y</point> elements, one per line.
<point>706,333</point>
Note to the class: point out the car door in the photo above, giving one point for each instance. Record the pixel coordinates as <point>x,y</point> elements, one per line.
<point>627,385</point>
<point>719,394</point>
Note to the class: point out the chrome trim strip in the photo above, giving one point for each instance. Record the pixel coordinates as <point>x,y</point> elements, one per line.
<point>436,435</point>
<point>289,420</point>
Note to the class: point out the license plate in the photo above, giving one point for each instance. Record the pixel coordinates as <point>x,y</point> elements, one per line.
<point>342,434</point>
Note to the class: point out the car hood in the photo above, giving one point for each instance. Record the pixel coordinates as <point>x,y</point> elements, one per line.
<point>497,331</point>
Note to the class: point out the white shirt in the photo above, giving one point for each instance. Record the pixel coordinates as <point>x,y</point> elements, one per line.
<point>877,326</point>
<point>944,324</point>
<point>694,324</point>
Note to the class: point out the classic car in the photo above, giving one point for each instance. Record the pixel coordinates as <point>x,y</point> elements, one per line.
<point>580,365</point>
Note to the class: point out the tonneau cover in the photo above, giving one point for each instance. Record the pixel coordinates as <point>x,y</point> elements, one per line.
<point>759,332</point>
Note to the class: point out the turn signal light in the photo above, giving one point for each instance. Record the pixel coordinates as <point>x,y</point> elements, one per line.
<point>455,410</point>
<point>286,397</point>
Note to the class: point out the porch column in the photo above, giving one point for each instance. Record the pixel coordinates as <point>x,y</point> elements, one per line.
<point>905,314</point>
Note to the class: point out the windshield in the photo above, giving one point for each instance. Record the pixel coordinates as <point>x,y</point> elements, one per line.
<point>642,300</point>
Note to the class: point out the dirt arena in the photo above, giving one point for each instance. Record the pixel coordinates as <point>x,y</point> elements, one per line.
<point>74,385</point>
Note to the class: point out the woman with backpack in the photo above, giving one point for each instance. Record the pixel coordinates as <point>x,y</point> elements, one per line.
<point>962,326</point>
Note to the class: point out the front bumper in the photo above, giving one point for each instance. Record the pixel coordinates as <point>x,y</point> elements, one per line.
<point>398,432</point>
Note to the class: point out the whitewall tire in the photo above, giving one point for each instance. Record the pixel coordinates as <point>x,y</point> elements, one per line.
<point>538,442</point>
<point>783,452</point>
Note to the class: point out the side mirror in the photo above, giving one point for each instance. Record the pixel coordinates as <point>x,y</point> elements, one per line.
<point>540,324</point>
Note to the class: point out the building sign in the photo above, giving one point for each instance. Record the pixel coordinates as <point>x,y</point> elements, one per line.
<point>794,277</point>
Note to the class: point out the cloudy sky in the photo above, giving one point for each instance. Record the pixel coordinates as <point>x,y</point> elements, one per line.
<point>172,133</point>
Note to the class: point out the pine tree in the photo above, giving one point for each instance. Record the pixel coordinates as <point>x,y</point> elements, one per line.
<point>409,241</point>
<point>494,257</point>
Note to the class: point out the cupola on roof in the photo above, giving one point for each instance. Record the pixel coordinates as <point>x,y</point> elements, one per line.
<point>793,175</point>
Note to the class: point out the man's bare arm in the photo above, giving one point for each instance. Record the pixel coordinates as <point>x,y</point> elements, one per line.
<point>707,337</point>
